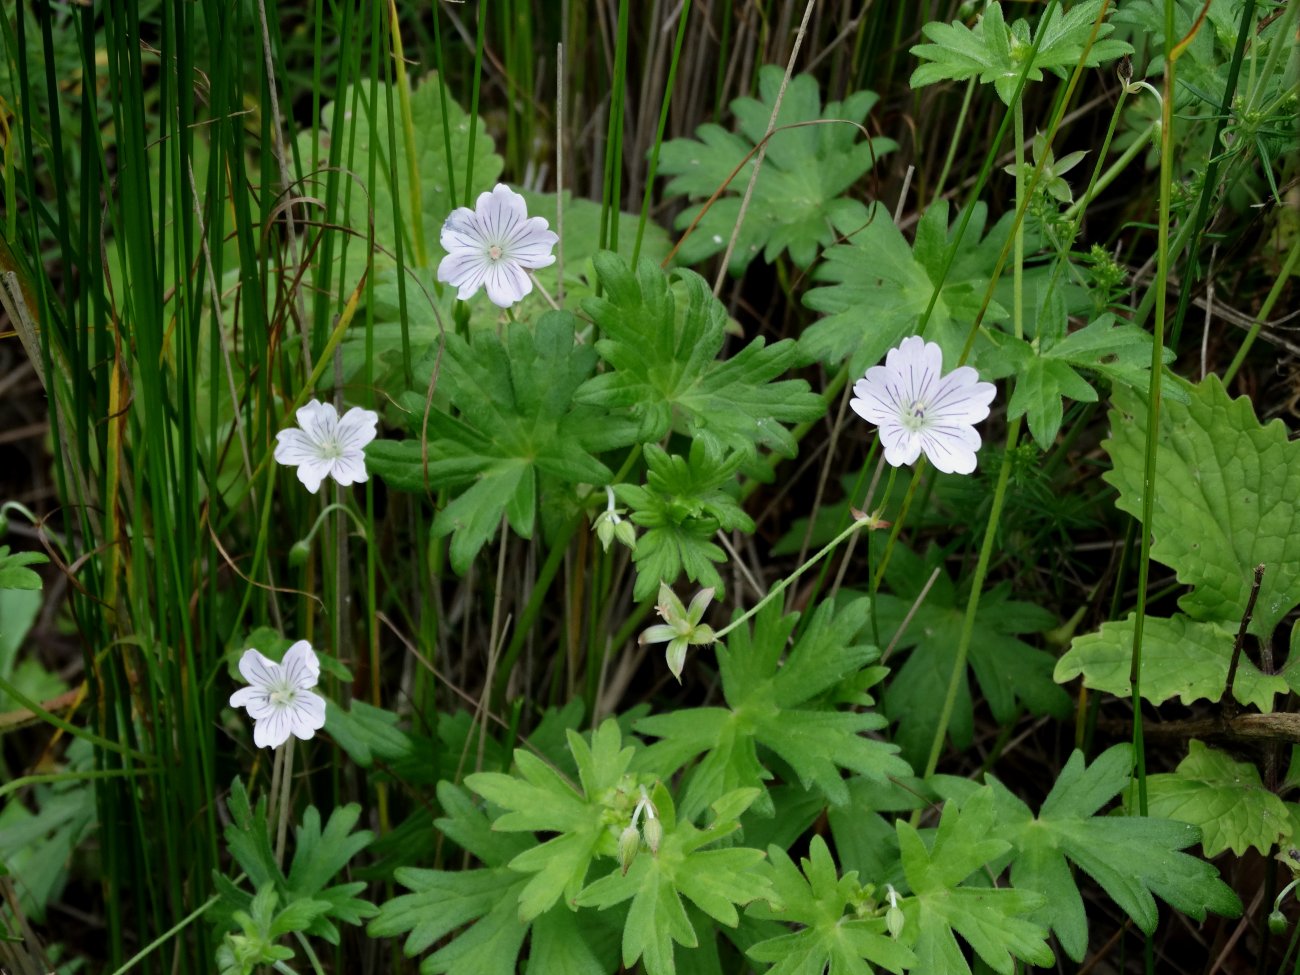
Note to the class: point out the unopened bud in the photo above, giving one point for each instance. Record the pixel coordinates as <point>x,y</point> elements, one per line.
<point>299,554</point>
<point>894,921</point>
<point>654,833</point>
<point>629,844</point>
<point>605,529</point>
<point>625,532</point>
<point>1277,923</point>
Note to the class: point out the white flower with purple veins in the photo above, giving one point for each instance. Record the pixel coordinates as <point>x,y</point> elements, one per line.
<point>279,696</point>
<point>920,410</point>
<point>327,446</point>
<point>494,246</point>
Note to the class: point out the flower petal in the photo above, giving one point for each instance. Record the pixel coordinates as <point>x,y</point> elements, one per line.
<point>318,421</point>
<point>259,671</point>
<point>301,666</point>
<point>350,468</point>
<point>356,428</point>
<point>293,447</point>
<point>273,730</point>
<point>506,283</point>
<point>313,472</point>
<point>307,714</point>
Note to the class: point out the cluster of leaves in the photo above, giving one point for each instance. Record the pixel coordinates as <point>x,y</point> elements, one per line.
<point>302,901</point>
<point>999,53</point>
<point>531,416</point>
<point>799,202</point>
<point>1237,481</point>
<point>557,872</point>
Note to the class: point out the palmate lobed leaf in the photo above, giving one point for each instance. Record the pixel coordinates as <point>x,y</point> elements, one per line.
<point>14,573</point>
<point>799,203</point>
<point>998,53</point>
<point>1130,857</point>
<point>515,429</point>
<point>1010,672</point>
<point>1049,371</point>
<point>879,287</point>
<point>539,799</point>
<point>682,505</point>
<point>832,939</point>
<point>1227,499</point>
<point>662,337</point>
<point>994,921</point>
<point>774,704</point>
<point>716,881</point>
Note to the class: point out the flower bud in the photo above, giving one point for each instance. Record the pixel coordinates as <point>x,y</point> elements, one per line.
<point>894,921</point>
<point>299,554</point>
<point>654,833</point>
<point>605,529</point>
<point>629,844</point>
<point>625,532</point>
<point>1277,923</point>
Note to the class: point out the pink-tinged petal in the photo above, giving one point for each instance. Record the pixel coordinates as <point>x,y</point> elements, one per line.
<point>356,428</point>
<point>901,447</point>
<point>658,633</point>
<point>293,448</point>
<point>301,667</point>
<point>506,284</point>
<point>350,469</point>
<point>258,670</point>
<point>508,205</point>
<point>273,730</point>
<point>948,454</point>
<point>676,657</point>
<point>459,266</point>
<point>699,603</point>
<point>458,225</point>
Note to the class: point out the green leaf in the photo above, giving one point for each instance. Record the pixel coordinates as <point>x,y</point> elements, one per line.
<point>682,505</point>
<point>787,707</point>
<point>540,799</point>
<point>880,287</point>
<point>480,904</point>
<point>365,130</point>
<point>318,856</point>
<point>1011,673</point>
<point>799,201</point>
<point>834,939</point>
<point>1227,498</point>
<point>715,881</point>
<point>992,920</point>
<point>14,573</point>
<point>1180,658</point>
<point>1048,372</point>
<point>1224,798</point>
<point>366,732</point>
<point>661,337</point>
<point>1130,857</point>
<point>995,52</point>
<point>515,422</point>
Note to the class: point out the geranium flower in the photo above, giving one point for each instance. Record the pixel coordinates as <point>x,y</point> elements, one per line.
<point>326,445</point>
<point>917,409</point>
<point>492,246</point>
<point>681,626</point>
<point>278,697</point>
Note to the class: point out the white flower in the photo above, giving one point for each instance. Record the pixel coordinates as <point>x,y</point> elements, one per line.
<point>919,409</point>
<point>327,445</point>
<point>681,626</point>
<point>492,245</point>
<point>279,696</point>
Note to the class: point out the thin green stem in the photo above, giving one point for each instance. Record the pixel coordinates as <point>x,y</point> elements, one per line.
<point>781,586</point>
